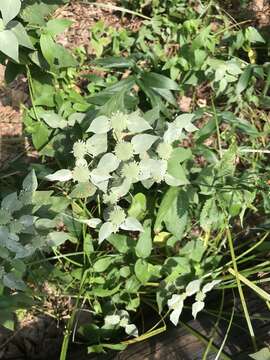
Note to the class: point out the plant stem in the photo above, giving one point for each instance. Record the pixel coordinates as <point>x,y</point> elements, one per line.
<point>240,290</point>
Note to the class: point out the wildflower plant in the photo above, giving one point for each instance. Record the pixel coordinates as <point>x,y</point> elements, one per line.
<point>23,232</point>
<point>135,154</point>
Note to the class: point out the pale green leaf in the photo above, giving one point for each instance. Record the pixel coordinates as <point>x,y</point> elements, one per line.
<point>57,238</point>
<point>93,223</point>
<point>131,330</point>
<point>60,175</point>
<point>97,144</point>
<point>57,26</point>
<point>83,190</point>
<point>141,143</point>
<point>141,271</point>
<point>112,320</point>
<point>138,206</point>
<point>102,264</point>
<point>108,163</point>
<point>136,123</point>
<point>30,182</point>
<point>193,287</point>
<point>9,9</point>
<point>54,121</point>
<point>263,354</point>
<point>197,307</point>
<point>105,231</point>
<point>17,28</point>
<point>11,203</point>
<point>132,224</point>
<point>9,44</point>
<point>100,125</point>
<point>144,244</point>
<point>209,286</point>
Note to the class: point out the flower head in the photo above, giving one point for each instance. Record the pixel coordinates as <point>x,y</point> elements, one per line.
<point>164,150</point>
<point>117,216</point>
<point>124,151</point>
<point>131,171</point>
<point>119,121</point>
<point>79,149</point>
<point>111,198</point>
<point>81,174</point>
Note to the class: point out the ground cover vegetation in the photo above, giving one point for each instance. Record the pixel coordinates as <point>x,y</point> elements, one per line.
<point>151,189</point>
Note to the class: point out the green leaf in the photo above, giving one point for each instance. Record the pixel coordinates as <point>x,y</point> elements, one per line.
<point>154,80</point>
<point>253,35</point>
<point>121,242</point>
<point>209,214</point>
<point>105,231</point>
<point>175,168</point>
<point>53,120</point>
<point>13,282</point>
<point>47,45</point>
<point>103,264</point>
<point>9,9</point>
<point>263,354</point>
<point>141,271</point>
<point>244,80</point>
<point>144,245</point>
<point>56,55</point>
<point>100,292</point>
<point>11,203</point>
<point>138,206</point>
<point>57,238</point>
<point>9,44</point>
<point>40,137</point>
<point>20,33</point>
<point>57,26</point>
<point>7,319</point>
<point>35,12</point>
<point>115,62</point>
<point>30,182</point>
<point>173,212</point>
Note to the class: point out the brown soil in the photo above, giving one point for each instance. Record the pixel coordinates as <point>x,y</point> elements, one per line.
<point>84,16</point>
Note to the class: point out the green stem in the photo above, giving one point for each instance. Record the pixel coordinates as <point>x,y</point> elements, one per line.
<point>240,290</point>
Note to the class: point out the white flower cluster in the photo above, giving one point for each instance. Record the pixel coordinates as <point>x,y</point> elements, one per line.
<point>122,151</point>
